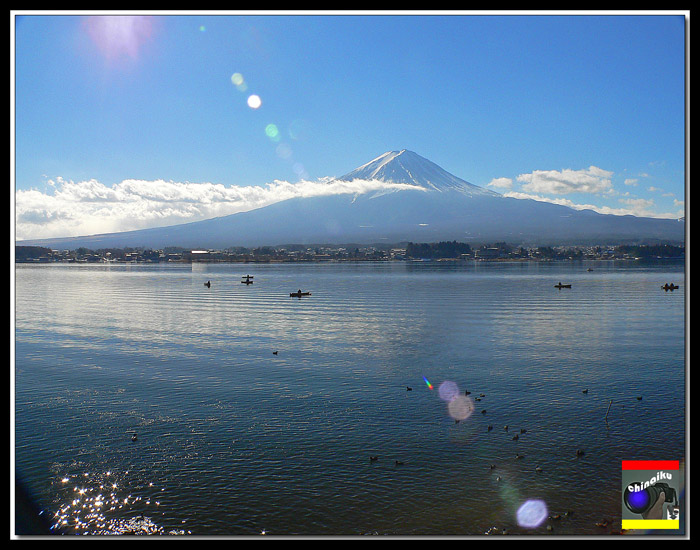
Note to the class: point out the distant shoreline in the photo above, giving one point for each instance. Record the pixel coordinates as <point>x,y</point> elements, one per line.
<point>39,261</point>
<point>447,252</point>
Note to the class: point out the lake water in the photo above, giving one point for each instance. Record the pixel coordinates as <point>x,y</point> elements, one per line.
<point>233,439</point>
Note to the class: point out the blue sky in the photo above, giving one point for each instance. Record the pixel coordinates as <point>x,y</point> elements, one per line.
<point>125,121</point>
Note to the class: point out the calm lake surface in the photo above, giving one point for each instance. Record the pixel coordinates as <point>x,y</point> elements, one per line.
<point>233,439</point>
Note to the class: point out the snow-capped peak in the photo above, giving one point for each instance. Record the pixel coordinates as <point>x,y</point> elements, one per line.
<point>407,167</point>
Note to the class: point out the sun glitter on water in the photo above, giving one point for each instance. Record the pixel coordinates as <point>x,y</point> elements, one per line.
<point>100,504</point>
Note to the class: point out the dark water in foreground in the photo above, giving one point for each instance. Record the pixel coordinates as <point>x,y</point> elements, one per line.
<point>235,440</point>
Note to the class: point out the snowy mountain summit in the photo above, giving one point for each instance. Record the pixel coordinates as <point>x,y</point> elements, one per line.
<point>410,168</point>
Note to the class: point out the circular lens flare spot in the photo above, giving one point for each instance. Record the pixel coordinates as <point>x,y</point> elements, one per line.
<point>299,170</point>
<point>531,514</point>
<point>239,82</point>
<point>460,408</point>
<point>254,101</point>
<point>272,132</point>
<point>284,151</point>
<point>448,390</point>
<point>297,129</point>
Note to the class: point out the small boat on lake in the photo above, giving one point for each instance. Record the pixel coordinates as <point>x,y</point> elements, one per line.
<point>669,286</point>
<point>562,286</point>
<point>247,280</point>
<point>299,294</point>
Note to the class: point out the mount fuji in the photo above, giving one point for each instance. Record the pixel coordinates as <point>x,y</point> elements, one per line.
<point>409,168</point>
<point>410,199</point>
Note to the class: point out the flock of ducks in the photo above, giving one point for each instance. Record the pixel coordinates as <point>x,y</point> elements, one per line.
<point>516,437</point>
<point>605,523</point>
<point>538,469</point>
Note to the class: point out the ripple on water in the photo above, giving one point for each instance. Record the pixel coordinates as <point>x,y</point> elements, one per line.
<point>236,440</point>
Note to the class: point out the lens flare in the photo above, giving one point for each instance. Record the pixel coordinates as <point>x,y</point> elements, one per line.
<point>254,101</point>
<point>448,391</point>
<point>299,170</point>
<point>272,132</point>
<point>239,82</point>
<point>284,151</point>
<point>430,386</point>
<point>460,408</point>
<point>532,513</point>
<point>297,129</point>
<point>120,36</point>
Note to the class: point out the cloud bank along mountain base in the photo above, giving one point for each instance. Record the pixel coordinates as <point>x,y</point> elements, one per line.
<point>90,207</point>
<point>398,196</point>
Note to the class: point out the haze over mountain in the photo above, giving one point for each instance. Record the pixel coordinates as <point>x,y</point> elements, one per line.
<point>431,205</point>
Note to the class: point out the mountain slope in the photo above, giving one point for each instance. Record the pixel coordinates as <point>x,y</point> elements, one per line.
<point>408,167</point>
<point>437,206</point>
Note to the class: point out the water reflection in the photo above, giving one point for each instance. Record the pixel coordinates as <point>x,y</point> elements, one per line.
<point>283,440</point>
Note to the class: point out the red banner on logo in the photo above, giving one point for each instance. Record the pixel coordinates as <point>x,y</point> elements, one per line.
<point>650,464</point>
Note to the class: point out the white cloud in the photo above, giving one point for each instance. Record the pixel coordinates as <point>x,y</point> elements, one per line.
<point>560,201</point>
<point>590,180</point>
<point>639,205</point>
<point>90,207</point>
<point>501,183</point>
<point>634,207</point>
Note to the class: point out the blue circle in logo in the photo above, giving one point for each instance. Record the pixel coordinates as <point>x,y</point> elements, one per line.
<point>638,500</point>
